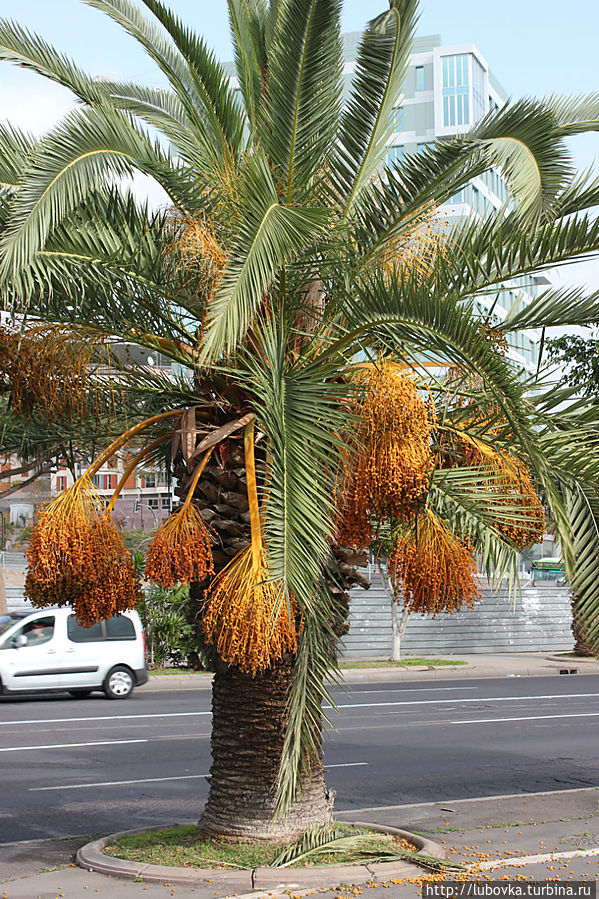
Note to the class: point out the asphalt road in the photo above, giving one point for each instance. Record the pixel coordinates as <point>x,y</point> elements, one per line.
<point>74,767</point>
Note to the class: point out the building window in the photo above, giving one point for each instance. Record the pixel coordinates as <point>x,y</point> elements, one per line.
<point>166,502</point>
<point>61,482</point>
<point>397,118</point>
<point>152,502</point>
<point>456,109</point>
<point>109,482</point>
<point>419,78</point>
<point>478,90</point>
<point>395,155</point>
<point>97,479</point>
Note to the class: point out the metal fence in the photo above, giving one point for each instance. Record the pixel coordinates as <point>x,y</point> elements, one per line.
<point>539,618</point>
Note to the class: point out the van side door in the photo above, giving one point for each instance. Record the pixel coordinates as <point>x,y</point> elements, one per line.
<point>83,656</point>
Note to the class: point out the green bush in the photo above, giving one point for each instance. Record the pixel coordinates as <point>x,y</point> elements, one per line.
<point>169,636</point>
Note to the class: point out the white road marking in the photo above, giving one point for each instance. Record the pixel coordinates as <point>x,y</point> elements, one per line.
<point>522,860</point>
<point>409,690</point>
<point>444,802</point>
<point>148,780</point>
<point>105,718</point>
<point>525,718</point>
<point>481,699</point>
<point>71,745</point>
<point>356,705</point>
<point>116,783</point>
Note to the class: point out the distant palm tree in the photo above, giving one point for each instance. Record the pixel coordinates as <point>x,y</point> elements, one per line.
<point>293,253</point>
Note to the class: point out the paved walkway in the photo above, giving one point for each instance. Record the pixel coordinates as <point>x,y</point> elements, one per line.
<point>475,832</point>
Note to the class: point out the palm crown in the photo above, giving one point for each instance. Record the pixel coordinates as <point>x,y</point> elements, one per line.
<point>292,257</point>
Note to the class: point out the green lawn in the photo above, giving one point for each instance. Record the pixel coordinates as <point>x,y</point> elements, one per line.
<point>387,663</point>
<point>179,846</point>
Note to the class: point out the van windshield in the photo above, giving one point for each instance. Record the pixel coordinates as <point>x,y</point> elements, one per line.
<point>7,621</point>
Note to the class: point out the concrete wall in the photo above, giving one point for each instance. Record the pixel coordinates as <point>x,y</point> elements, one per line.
<point>539,619</point>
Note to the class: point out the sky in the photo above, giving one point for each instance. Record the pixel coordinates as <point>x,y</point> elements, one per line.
<point>534,47</point>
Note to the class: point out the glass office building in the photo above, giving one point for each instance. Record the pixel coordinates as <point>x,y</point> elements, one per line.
<point>446,91</point>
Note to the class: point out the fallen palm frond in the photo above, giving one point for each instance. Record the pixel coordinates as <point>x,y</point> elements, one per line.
<point>77,557</point>
<point>250,617</point>
<point>330,840</point>
<point>431,569</point>
<point>181,550</point>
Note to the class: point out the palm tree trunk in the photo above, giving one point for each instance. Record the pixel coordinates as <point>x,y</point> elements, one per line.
<point>248,730</point>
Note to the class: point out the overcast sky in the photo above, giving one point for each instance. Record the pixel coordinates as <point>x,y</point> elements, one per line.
<point>533,47</point>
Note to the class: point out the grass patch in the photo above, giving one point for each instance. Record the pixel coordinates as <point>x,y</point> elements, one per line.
<point>575,655</point>
<point>361,663</point>
<point>179,846</point>
<point>404,663</point>
<point>176,671</point>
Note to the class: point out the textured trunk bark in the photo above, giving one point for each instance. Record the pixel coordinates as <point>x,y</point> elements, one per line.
<point>249,713</point>
<point>248,730</point>
<point>581,647</point>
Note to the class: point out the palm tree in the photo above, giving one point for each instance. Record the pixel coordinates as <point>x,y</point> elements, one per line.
<point>292,259</point>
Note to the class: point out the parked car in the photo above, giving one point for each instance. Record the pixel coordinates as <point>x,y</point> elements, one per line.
<point>49,651</point>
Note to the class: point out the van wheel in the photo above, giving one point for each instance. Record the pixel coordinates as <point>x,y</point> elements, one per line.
<point>80,694</point>
<point>118,683</point>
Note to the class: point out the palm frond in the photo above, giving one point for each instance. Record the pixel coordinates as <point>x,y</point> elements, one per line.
<point>558,306</point>
<point>212,82</point>
<point>248,50</point>
<point>268,236</point>
<point>522,141</point>
<point>575,115</point>
<point>304,90</point>
<point>15,147</point>
<point>196,96</point>
<point>366,124</point>
<point>583,510</point>
<point>68,164</point>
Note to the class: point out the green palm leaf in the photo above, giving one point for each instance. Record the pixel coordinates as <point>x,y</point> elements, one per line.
<point>71,162</point>
<point>366,124</point>
<point>304,90</point>
<point>268,236</point>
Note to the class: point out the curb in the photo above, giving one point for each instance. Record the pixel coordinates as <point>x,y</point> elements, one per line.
<point>92,858</point>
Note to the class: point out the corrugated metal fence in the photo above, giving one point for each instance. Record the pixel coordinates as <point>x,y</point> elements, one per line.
<point>538,619</point>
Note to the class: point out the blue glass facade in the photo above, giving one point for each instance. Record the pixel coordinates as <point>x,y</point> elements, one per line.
<point>456,90</point>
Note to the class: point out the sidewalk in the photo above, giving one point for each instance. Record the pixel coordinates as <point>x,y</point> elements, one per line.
<point>473,831</point>
<point>517,664</point>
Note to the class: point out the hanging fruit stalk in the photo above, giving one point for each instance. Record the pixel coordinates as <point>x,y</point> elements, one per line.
<point>181,551</point>
<point>77,557</point>
<point>388,476</point>
<point>250,617</point>
<point>508,478</point>
<point>430,569</point>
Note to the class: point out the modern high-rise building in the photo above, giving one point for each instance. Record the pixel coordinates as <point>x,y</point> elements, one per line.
<point>446,91</point>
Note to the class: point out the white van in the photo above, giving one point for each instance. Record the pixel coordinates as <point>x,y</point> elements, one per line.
<point>48,650</point>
